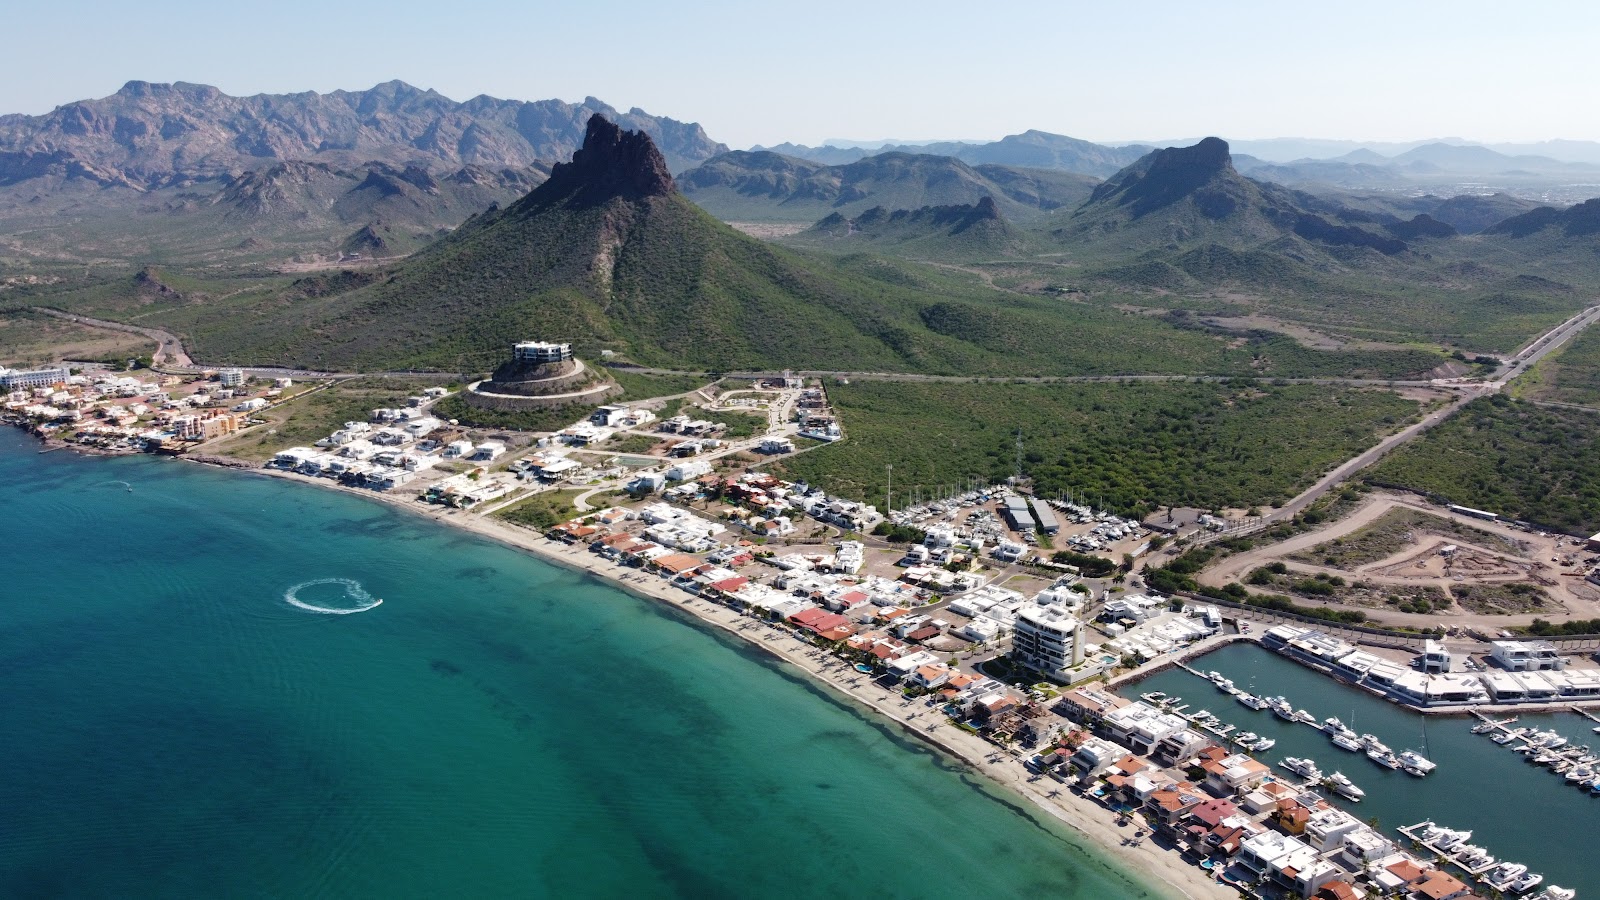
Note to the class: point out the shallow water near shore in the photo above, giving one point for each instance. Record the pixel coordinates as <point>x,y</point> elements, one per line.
<point>226,685</point>
<point>1517,811</point>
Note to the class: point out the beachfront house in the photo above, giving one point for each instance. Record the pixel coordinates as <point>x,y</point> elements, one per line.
<point>1094,756</point>
<point>1140,726</point>
<point>1234,774</point>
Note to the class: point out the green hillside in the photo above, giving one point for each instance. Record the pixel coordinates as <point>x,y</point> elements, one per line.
<point>763,186</point>
<point>967,231</point>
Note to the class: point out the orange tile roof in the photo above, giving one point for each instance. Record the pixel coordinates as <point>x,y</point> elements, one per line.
<point>1439,885</point>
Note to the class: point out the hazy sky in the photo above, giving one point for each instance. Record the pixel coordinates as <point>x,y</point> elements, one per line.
<point>754,72</point>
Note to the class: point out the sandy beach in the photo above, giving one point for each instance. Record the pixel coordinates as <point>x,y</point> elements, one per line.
<point>1164,868</point>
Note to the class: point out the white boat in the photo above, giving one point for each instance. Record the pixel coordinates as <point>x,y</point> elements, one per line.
<point>1251,700</point>
<point>1305,768</point>
<point>1503,739</point>
<point>1333,725</point>
<point>1483,728</point>
<point>1387,760</point>
<point>1428,832</point>
<point>1264,744</point>
<point>1556,893</point>
<point>1346,742</point>
<point>1580,775</point>
<point>1526,883</point>
<point>1473,857</point>
<point>1454,839</point>
<point>1414,763</point>
<point>1248,738</point>
<point>1281,708</point>
<point>1501,876</point>
<point>1305,718</point>
<point>1345,788</point>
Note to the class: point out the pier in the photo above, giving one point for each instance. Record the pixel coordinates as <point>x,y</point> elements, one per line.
<point>1575,765</point>
<point>1414,832</point>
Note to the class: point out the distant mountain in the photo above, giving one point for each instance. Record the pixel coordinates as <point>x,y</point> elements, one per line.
<point>153,135</point>
<point>1466,213</point>
<point>765,186</point>
<point>1582,220</point>
<point>934,231</point>
<point>1031,149</point>
<point>1192,197</point>
<point>281,211</point>
<point>608,254</point>
<point>1329,173</point>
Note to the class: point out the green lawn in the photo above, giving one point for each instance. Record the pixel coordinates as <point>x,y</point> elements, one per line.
<point>541,511</point>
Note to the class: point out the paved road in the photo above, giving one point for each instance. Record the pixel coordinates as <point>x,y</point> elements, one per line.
<point>1536,350</point>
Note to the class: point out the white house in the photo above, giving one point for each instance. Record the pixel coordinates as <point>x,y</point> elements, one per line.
<point>688,470</point>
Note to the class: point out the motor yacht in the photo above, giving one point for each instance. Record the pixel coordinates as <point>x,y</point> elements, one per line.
<point>1556,893</point>
<point>1305,718</point>
<point>1265,743</point>
<point>1345,788</point>
<point>1501,876</point>
<point>1347,742</point>
<point>1414,763</point>
<point>1305,768</point>
<point>1454,839</point>
<point>1387,760</point>
<point>1251,700</point>
<point>1281,708</point>
<point>1526,883</point>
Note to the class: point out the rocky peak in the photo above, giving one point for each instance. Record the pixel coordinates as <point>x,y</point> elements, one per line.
<point>1164,177</point>
<point>985,209</point>
<point>612,163</point>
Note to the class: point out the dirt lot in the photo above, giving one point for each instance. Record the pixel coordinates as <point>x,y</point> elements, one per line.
<point>1389,555</point>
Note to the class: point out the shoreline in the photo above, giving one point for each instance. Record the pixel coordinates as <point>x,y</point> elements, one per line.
<point>1166,873</point>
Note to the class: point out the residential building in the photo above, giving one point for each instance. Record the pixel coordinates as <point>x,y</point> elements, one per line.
<point>1141,726</point>
<point>1526,656</point>
<point>231,378</point>
<point>1046,638</point>
<point>1094,756</point>
<point>540,352</point>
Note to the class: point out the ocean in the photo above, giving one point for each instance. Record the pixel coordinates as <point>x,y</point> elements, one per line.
<point>1517,811</point>
<point>222,684</point>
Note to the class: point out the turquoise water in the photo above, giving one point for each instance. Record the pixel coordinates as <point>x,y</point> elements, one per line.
<point>1517,811</point>
<point>174,726</point>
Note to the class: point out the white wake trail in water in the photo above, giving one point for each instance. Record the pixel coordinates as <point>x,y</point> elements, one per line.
<point>352,590</point>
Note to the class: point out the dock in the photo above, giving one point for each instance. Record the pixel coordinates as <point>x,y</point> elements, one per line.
<point>1413,832</point>
<point>1559,760</point>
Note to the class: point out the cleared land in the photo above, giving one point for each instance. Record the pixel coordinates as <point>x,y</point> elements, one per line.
<point>1386,556</point>
<point>1394,531</point>
<point>28,338</point>
<point>1126,447</point>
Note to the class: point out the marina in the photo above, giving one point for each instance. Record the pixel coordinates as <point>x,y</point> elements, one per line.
<point>1576,764</point>
<point>1477,786</point>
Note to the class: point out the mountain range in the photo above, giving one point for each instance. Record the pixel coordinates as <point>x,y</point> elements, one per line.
<point>767,186</point>
<point>1032,149</point>
<point>154,135</point>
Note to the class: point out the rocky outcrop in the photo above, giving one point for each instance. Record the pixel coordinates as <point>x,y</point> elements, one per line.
<point>612,163</point>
